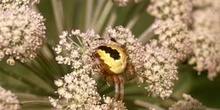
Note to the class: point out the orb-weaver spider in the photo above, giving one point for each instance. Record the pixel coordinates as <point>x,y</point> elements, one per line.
<point>112,63</point>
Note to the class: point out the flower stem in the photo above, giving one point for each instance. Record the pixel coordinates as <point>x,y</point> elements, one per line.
<point>104,15</point>
<point>98,9</point>
<point>23,80</point>
<point>37,102</point>
<point>89,10</point>
<point>133,21</point>
<point>58,13</point>
<point>148,33</point>
<point>147,105</point>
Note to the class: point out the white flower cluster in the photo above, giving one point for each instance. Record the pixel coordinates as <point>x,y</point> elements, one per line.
<point>8,100</point>
<point>78,91</point>
<point>205,54</point>
<point>206,3</point>
<point>111,104</point>
<point>161,71</point>
<point>173,18</point>
<point>19,2</point>
<point>21,34</point>
<point>188,103</point>
<point>201,39</point>
<point>153,65</point>
<point>177,10</point>
<point>71,49</point>
<point>206,38</point>
<point>13,4</point>
<point>175,36</point>
<point>201,3</point>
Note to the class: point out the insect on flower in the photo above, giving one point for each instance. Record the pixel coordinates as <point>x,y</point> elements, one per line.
<point>112,63</point>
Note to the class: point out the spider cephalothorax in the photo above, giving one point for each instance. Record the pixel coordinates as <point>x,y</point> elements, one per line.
<point>112,63</point>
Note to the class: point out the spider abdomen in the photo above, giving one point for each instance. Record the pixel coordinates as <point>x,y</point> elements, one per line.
<point>114,57</point>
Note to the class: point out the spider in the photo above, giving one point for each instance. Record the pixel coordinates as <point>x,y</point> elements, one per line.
<point>112,63</point>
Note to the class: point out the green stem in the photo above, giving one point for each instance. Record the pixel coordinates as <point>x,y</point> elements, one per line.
<point>148,33</point>
<point>98,9</point>
<point>134,13</point>
<point>89,10</point>
<point>60,69</point>
<point>48,70</point>
<point>23,80</point>
<point>35,71</point>
<point>58,14</point>
<point>111,21</point>
<point>147,105</point>
<point>35,102</point>
<point>40,104</point>
<point>104,16</point>
<point>132,22</point>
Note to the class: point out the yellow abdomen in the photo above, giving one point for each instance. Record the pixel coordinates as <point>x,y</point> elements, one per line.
<point>114,57</point>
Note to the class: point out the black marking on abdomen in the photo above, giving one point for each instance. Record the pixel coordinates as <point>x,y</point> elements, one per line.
<point>113,53</point>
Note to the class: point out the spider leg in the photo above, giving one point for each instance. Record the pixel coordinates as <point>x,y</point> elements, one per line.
<point>121,82</point>
<point>116,81</point>
<point>131,69</point>
<point>101,71</point>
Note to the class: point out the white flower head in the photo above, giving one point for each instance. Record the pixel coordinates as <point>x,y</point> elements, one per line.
<point>205,39</point>
<point>160,71</point>
<point>188,103</point>
<point>18,2</point>
<point>175,36</point>
<point>76,90</point>
<point>8,100</point>
<point>22,33</point>
<point>205,53</point>
<point>177,10</point>
<point>74,53</point>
